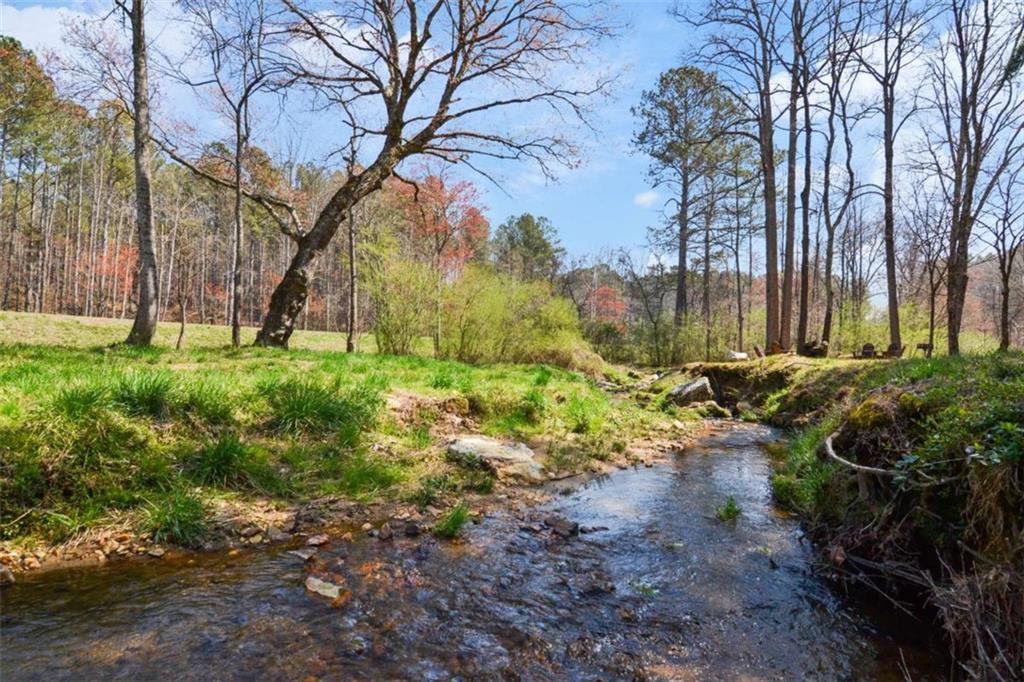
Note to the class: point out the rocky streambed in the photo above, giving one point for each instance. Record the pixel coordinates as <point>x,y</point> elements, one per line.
<point>639,574</point>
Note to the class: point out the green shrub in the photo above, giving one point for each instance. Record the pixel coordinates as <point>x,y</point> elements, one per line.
<point>404,294</point>
<point>451,525</point>
<point>144,393</point>
<point>179,518</point>
<point>487,317</point>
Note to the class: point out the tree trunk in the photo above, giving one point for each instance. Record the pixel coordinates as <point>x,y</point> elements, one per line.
<point>1004,308</point>
<point>788,265</point>
<point>289,297</point>
<point>805,216</point>
<point>236,260</point>
<point>895,342</point>
<point>353,296</point>
<point>682,307</point>
<point>144,327</point>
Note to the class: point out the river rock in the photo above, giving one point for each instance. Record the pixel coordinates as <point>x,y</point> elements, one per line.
<point>695,391</point>
<point>385,532</point>
<point>412,529</point>
<point>322,587</point>
<point>562,527</point>
<point>506,460</point>
<point>318,540</point>
<point>6,575</point>
<point>156,552</point>
<point>277,535</point>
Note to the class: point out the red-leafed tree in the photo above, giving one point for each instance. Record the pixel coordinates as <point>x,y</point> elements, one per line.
<point>607,304</point>
<point>445,219</point>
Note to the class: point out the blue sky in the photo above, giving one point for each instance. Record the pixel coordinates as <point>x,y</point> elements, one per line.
<point>606,202</point>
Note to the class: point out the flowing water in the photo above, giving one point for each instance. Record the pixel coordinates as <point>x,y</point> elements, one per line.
<point>657,587</point>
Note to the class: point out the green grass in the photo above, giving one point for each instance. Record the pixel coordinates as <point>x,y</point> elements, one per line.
<point>729,511</point>
<point>88,428</point>
<point>451,525</point>
<point>180,518</point>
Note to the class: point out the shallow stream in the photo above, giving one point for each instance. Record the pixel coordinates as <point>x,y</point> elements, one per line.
<point>656,587</point>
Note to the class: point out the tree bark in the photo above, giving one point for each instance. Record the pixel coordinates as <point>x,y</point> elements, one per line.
<point>805,213</point>
<point>353,295</point>
<point>236,262</point>
<point>895,342</point>
<point>144,327</point>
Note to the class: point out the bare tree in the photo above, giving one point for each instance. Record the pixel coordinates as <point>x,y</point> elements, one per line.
<point>839,78</point>
<point>233,37</point>
<point>741,46</point>
<point>979,130</point>
<point>147,306</point>
<point>893,33</point>
<point>926,219</point>
<point>1004,233</point>
<point>432,79</point>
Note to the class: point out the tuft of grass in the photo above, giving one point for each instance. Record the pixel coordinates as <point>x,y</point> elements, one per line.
<point>230,463</point>
<point>729,511</point>
<point>207,401</point>
<point>585,413</point>
<point>431,490</point>
<point>451,525</point>
<point>80,400</point>
<point>179,518</point>
<point>309,406</point>
<point>533,405</point>
<point>144,393</point>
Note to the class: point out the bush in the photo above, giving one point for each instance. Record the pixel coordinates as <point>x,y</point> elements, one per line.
<point>488,317</point>
<point>404,294</point>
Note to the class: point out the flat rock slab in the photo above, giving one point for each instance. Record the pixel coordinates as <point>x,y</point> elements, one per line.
<point>506,460</point>
<point>693,392</point>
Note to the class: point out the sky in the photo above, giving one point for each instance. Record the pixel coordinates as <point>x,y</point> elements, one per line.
<point>606,202</point>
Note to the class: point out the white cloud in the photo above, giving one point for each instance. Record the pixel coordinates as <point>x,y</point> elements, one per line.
<point>646,199</point>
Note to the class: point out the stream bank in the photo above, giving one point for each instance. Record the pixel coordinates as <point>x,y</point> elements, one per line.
<point>631,575</point>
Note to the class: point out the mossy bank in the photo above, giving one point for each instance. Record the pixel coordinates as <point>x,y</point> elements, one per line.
<point>920,490</point>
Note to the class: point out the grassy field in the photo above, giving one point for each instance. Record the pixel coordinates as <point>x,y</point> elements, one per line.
<point>90,332</point>
<point>88,430</point>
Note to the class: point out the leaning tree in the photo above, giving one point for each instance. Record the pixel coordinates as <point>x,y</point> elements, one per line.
<point>453,81</point>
